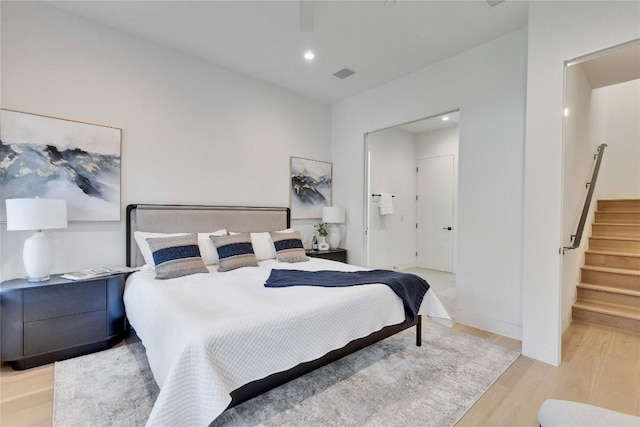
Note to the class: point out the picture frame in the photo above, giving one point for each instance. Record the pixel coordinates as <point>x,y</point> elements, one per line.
<point>310,187</point>
<point>49,157</point>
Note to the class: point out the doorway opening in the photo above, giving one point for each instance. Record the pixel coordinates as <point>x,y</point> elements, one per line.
<point>411,178</point>
<point>602,106</point>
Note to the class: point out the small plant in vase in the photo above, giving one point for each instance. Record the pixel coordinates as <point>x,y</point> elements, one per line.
<point>321,228</point>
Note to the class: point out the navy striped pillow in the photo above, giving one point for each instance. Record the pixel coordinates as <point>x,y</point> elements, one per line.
<point>235,251</point>
<point>176,256</point>
<point>289,247</point>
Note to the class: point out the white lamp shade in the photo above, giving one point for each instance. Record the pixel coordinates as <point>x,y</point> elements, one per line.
<point>36,214</point>
<point>333,215</point>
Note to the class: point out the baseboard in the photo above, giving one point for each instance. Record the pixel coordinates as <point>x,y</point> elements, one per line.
<point>491,325</point>
<point>400,267</point>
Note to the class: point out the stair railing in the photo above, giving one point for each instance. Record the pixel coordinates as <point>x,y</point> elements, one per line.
<point>591,185</point>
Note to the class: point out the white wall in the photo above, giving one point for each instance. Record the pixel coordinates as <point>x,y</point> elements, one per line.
<point>578,167</point>
<point>193,132</point>
<point>392,238</point>
<point>487,84</point>
<point>441,142</point>
<point>617,116</point>
<point>437,143</point>
<point>558,31</point>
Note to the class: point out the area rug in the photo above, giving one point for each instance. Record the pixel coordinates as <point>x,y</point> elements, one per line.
<point>391,383</point>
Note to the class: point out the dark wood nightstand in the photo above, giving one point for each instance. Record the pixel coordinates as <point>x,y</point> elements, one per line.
<point>54,320</point>
<point>337,254</point>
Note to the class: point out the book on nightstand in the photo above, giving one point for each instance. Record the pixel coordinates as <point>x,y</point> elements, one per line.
<point>92,273</point>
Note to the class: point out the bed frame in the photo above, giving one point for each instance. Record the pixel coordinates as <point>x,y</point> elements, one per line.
<point>198,218</point>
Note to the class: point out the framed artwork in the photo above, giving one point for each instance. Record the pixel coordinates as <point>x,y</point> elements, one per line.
<point>310,187</point>
<point>61,159</point>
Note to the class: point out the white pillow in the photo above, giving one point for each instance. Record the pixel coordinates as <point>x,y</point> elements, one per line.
<point>208,251</point>
<point>263,245</point>
<point>288,230</point>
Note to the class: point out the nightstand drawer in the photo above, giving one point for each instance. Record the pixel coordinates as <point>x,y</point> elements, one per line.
<point>71,298</point>
<point>63,332</point>
<point>337,254</point>
<point>41,322</point>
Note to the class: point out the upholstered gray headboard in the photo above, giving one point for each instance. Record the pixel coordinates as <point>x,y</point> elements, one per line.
<point>199,219</point>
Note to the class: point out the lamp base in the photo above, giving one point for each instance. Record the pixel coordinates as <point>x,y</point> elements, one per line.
<point>39,279</point>
<point>37,257</point>
<point>334,236</point>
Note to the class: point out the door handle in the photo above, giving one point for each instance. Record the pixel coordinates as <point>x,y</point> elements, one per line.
<point>447,228</point>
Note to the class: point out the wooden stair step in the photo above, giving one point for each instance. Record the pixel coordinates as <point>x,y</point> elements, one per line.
<point>612,259</point>
<point>612,270</point>
<point>617,316</point>
<point>619,205</point>
<point>620,277</point>
<point>617,217</point>
<point>612,289</point>
<point>612,309</point>
<point>615,230</point>
<point>615,244</point>
<point>608,294</point>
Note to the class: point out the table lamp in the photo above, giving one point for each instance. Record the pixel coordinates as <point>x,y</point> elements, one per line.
<point>37,214</point>
<point>333,215</point>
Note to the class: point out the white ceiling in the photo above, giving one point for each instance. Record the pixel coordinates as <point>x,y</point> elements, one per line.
<point>380,40</point>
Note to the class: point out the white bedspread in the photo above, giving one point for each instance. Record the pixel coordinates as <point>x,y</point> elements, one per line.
<point>208,334</point>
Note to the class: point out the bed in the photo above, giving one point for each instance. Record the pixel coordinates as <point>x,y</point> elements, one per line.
<point>216,339</point>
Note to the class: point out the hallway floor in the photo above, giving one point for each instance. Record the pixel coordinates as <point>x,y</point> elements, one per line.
<point>442,283</point>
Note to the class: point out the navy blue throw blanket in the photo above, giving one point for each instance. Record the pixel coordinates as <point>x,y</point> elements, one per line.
<point>409,287</point>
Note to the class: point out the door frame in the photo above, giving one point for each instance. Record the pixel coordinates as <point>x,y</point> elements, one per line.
<point>366,250</point>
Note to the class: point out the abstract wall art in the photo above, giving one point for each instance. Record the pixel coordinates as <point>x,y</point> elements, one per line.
<point>310,187</point>
<point>54,158</point>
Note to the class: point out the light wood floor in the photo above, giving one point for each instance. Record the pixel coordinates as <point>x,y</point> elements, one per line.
<point>600,366</point>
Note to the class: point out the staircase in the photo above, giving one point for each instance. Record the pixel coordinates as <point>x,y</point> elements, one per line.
<point>609,289</point>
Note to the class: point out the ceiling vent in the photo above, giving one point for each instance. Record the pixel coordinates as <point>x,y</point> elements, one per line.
<point>344,73</point>
<point>494,2</point>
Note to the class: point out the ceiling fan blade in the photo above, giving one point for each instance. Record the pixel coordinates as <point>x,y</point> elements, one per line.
<point>306,15</point>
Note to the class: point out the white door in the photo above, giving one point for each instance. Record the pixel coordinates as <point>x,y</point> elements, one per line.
<point>435,213</point>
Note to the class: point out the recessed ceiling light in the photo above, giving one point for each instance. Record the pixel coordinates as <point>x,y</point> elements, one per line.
<point>308,55</point>
<point>445,118</point>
